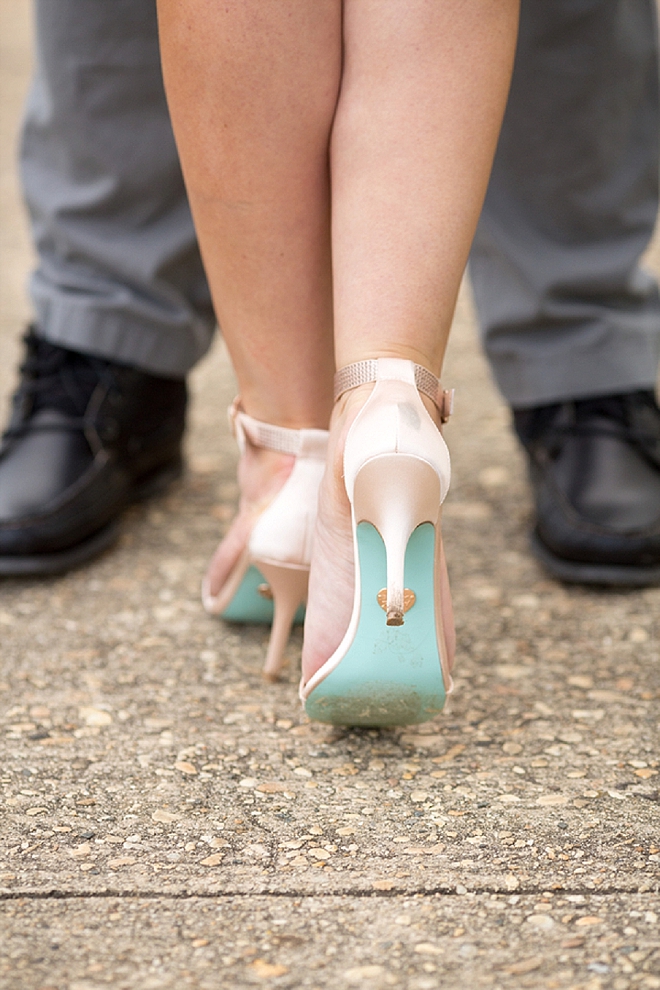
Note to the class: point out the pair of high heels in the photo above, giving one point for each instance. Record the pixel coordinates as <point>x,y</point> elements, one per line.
<point>392,666</point>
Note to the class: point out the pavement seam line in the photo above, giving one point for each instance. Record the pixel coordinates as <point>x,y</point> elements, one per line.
<point>347,892</point>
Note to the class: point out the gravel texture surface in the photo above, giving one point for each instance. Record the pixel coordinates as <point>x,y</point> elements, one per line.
<point>170,820</point>
<point>420,942</point>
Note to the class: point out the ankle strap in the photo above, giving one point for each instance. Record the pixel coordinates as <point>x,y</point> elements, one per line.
<point>364,372</point>
<point>299,443</point>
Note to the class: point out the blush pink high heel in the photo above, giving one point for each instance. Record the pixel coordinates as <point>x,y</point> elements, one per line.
<point>393,664</point>
<point>269,581</point>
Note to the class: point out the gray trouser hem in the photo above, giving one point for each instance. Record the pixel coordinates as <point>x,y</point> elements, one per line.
<point>118,337</point>
<point>119,272</point>
<point>615,362</point>
<point>565,306</point>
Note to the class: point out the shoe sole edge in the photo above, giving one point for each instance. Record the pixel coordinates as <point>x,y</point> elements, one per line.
<point>60,561</point>
<point>605,575</point>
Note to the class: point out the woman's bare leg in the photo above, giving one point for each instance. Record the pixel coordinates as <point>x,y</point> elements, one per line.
<point>422,95</point>
<point>252,87</point>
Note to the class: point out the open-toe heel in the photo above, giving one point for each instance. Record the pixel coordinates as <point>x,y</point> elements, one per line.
<point>393,664</point>
<point>268,584</point>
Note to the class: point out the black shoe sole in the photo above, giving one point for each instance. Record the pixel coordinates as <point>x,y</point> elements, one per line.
<point>60,561</point>
<point>605,575</point>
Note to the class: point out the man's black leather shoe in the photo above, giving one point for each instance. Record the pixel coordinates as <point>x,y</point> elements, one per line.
<point>595,472</point>
<point>86,438</point>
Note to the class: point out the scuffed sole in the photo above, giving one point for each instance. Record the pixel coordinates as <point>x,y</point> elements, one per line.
<point>390,675</point>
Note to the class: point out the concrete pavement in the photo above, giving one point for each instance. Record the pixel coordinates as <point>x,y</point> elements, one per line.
<point>168,820</point>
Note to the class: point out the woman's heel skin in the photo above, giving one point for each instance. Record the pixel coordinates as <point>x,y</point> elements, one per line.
<point>288,587</point>
<point>392,666</point>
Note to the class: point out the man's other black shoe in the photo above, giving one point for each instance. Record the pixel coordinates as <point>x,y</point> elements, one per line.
<point>86,438</point>
<point>595,473</point>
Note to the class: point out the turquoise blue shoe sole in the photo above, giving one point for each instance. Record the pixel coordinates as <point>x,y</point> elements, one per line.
<point>249,606</point>
<point>391,675</point>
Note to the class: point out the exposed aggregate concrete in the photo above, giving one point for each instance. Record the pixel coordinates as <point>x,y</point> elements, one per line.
<point>170,820</point>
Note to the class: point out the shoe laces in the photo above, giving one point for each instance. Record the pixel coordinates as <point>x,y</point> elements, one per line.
<point>55,378</point>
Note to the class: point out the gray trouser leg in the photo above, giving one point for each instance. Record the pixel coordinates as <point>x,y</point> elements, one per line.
<point>119,272</point>
<point>565,308</point>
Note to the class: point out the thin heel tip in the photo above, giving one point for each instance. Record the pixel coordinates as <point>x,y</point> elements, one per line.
<point>209,601</point>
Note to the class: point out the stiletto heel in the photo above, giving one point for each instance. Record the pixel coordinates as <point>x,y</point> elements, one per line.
<point>289,590</point>
<point>268,583</point>
<point>396,493</point>
<point>393,664</point>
